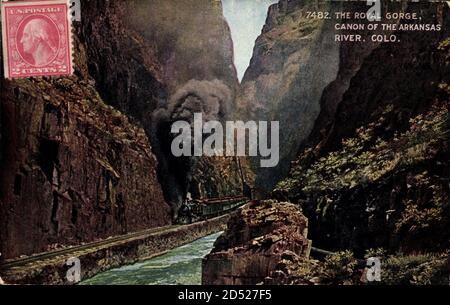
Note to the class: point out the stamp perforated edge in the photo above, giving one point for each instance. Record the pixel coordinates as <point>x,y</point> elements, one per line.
<point>70,31</point>
<point>4,42</point>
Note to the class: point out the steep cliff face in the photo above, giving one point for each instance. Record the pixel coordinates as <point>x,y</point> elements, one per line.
<point>294,60</point>
<point>220,176</point>
<point>72,169</point>
<point>160,61</point>
<point>373,76</point>
<point>321,90</point>
<point>192,39</point>
<point>376,170</point>
<point>372,139</point>
<point>125,67</point>
<point>76,165</point>
<point>376,192</point>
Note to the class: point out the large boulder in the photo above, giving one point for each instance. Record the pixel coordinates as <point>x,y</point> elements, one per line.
<point>257,238</point>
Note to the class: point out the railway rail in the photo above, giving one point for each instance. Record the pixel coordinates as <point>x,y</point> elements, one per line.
<point>209,207</point>
<point>11,263</point>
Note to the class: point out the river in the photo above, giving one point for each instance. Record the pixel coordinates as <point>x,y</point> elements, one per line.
<point>180,266</point>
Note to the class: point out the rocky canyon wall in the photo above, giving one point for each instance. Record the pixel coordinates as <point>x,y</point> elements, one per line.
<point>299,75</point>
<point>374,75</point>
<point>161,61</point>
<point>374,170</point>
<point>294,59</point>
<point>370,144</point>
<point>88,156</point>
<point>73,169</point>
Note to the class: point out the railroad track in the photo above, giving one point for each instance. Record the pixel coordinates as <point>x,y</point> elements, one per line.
<point>8,264</point>
<point>70,251</point>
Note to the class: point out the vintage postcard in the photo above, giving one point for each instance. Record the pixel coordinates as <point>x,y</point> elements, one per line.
<point>261,144</point>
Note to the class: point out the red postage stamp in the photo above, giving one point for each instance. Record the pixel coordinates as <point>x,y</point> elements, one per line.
<point>36,38</point>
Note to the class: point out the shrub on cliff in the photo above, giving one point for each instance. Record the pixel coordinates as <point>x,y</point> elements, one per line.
<point>394,189</point>
<point>416,270</point>
<point>367,157</point>
<point>342,268</point>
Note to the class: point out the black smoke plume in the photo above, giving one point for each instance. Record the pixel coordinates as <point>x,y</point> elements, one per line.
<point>212,99</point>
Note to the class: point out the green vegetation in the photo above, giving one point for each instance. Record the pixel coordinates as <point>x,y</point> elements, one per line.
<point>367,158</point>
<point>416,270</point>
<point>424,269</point>
<point>342,268</point>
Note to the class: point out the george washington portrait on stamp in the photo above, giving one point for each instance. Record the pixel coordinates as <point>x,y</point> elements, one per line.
<point>36,38</point>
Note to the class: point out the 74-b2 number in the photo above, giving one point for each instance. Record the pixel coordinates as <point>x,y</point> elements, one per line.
<point>318,15</point>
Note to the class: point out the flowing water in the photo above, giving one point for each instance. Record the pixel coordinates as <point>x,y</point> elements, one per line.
<point>183,265</point>
<point>180,266</point>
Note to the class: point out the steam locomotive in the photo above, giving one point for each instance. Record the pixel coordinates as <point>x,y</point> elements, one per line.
<point>202,209</point>
<point>194,210</point>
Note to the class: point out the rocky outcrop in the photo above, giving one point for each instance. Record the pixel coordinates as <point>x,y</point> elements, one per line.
<point>72,169</point>
<point>256,240</point>
<point>264,244</point>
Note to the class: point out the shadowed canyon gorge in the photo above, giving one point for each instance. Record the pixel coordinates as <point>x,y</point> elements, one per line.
<point>364,138</point>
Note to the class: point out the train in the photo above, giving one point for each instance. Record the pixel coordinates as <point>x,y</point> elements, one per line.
<point>194,210</point>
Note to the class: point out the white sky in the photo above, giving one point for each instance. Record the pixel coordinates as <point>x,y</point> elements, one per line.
<point>246,19</point>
